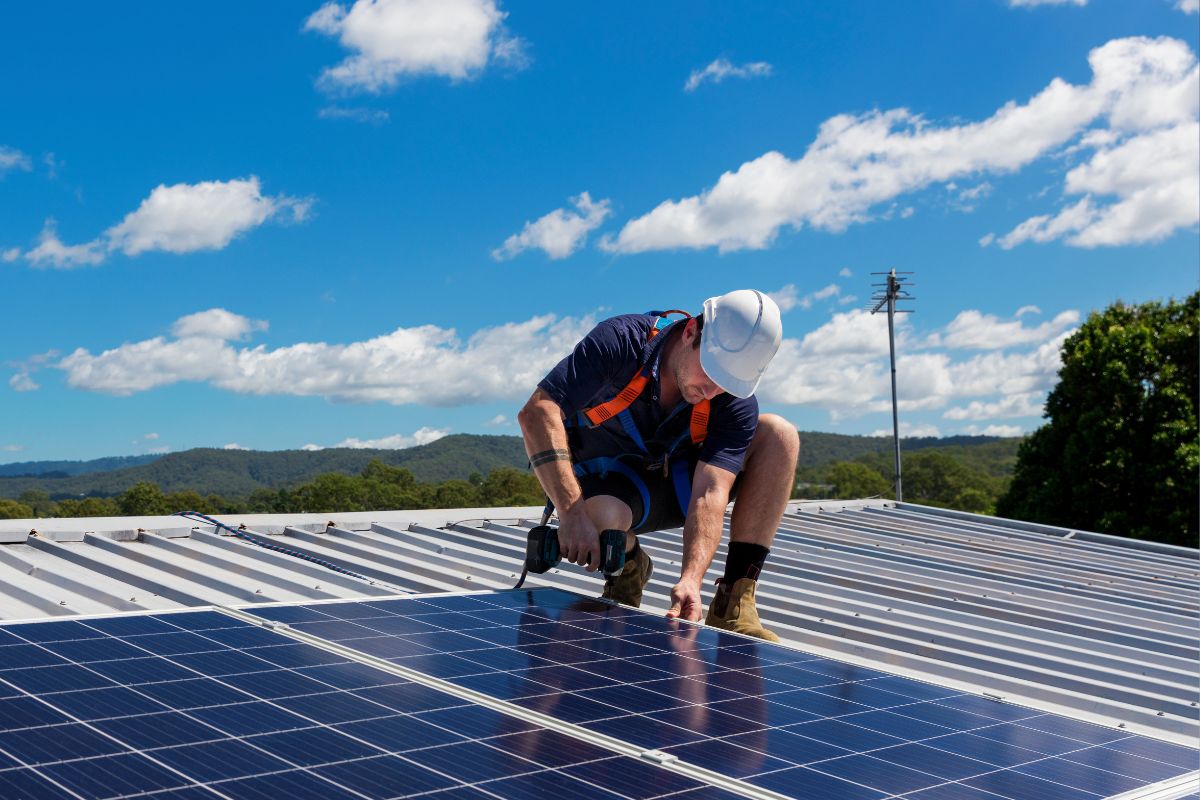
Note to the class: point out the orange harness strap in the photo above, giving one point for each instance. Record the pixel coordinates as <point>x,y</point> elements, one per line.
<point>624,399</point>
<point>597,415</point>
<point>699,423</point>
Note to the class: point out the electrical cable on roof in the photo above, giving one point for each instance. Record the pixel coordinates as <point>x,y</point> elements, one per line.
<point>266,545</point>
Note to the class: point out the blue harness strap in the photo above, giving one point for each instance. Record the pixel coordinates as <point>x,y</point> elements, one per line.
<point>605,464</point>
<point>626,420</point>
<point>683,483</point>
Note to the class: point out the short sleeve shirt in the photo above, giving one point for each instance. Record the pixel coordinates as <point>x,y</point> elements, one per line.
<point>604,362</point>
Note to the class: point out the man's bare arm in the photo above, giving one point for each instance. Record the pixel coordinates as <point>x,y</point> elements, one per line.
<point>701,534</point>
<point>541,421</point>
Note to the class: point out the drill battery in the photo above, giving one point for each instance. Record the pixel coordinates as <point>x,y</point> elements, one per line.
<point>542,552</point>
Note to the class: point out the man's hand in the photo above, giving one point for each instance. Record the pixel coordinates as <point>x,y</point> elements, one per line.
<point>578,538</point>
<point>685,601</point>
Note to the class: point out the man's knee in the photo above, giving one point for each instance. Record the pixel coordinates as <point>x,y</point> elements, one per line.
<point>779,437</point>
<point>608,512</point>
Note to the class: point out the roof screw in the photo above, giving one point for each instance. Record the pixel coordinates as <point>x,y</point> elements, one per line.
<point>64,602</point>
<point>258,591</point>
<point>318,586</point>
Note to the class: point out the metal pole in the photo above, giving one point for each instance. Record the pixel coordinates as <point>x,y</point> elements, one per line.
<point>891,301</point>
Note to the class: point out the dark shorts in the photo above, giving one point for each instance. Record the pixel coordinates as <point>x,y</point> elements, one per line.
<point>657,501</point>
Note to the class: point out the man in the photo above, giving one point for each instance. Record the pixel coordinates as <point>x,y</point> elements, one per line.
<point>644,427</point>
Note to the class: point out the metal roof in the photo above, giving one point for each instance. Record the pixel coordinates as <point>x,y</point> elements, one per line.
<point>1098,627</point>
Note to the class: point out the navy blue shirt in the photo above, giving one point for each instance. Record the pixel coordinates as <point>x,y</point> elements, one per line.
<point>604,362</point>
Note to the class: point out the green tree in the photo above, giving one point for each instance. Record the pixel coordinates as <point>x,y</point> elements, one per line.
<point>852,480</point>
<point>330,492</point>
<point>935,478</point>
<point>455,494</point>
<point>11,509</point>
<point>143,499</point>
<point>38,500</point>
<point>1119,454</point>
<point>510,487</point>
<point>88,507</point>
<point>189,500</point>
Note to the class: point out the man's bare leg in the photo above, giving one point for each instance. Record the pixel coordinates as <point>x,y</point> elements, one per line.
<point>767,479</point>
<point>607,513</point>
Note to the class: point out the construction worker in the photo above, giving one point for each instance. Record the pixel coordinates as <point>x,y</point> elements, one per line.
<point>650,424</point>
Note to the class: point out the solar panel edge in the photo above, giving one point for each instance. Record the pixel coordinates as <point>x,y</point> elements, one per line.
<point>656,757</point>
<point>1178,787</point>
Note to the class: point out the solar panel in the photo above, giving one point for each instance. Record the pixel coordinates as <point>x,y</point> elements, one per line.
<point>772,716</point>
<point>200,705</point>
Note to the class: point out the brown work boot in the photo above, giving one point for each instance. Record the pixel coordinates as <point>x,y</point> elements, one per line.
<point>733,609</point>
<point>626,587</point>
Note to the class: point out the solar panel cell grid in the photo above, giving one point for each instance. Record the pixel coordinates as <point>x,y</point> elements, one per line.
<point>780,718</point>
<point>251,728</point>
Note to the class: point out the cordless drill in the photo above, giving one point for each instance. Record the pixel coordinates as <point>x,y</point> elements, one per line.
<point>542,554</point>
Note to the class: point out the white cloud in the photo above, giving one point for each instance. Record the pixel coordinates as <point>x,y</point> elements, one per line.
<point>846,300</point>
<point>397,441</point>
<point>845,272</point>
<point>1188,6</point>
<point>182,218</point>
<point>233,446</point>
<point>1006,431</point>
<point>424,364</point>
<point>1154,180</point>
<point>185,218</point>
<point>394,39</point>
<point>977,331</point>
<point>51,252</point>
<point>216,323</point>
<point>789,297</point>
<point>1032,3</point>
<point>860,161</point>
<point>159,450</point>
<point>721,68</point>
<point>150,436</point>
<point>373,116</point>
<point>1023,310</point>
<point>22,382</point>
<point>12,448</point>
<point>842,367</point>
<point>1029,404</point>
<point>310,447</point>
<point>908,429</point>
<point>498,421</point>
<point>559,233</point>
<point>13,159</point>
<point>10,255</point>
<point>967,200</point>
<point>987,239</point>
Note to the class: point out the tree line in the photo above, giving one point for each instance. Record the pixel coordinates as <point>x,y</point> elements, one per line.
<point>378,487</point>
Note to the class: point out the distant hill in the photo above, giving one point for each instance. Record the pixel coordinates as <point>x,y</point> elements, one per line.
<point>822,449</point>
<point>234,473</point>
<point>59,469</point>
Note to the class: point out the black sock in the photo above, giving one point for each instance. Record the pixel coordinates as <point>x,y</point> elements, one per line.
<point>745,560</point>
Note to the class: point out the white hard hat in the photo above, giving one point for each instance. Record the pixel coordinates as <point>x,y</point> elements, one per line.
<point>742,331</point>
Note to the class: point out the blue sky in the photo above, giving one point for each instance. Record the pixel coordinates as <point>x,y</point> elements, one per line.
<point>280,225</point>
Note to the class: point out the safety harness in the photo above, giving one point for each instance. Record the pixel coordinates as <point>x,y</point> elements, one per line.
<point>618,408</point>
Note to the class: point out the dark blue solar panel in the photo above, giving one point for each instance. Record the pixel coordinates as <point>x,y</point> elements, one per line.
<point>776,717</point>
<point>168,705</point>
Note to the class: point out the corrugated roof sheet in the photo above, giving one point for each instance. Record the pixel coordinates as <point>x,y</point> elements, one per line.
<point>1100,627</point>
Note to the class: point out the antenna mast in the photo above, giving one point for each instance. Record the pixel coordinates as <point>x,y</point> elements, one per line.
<point>896,289</point>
